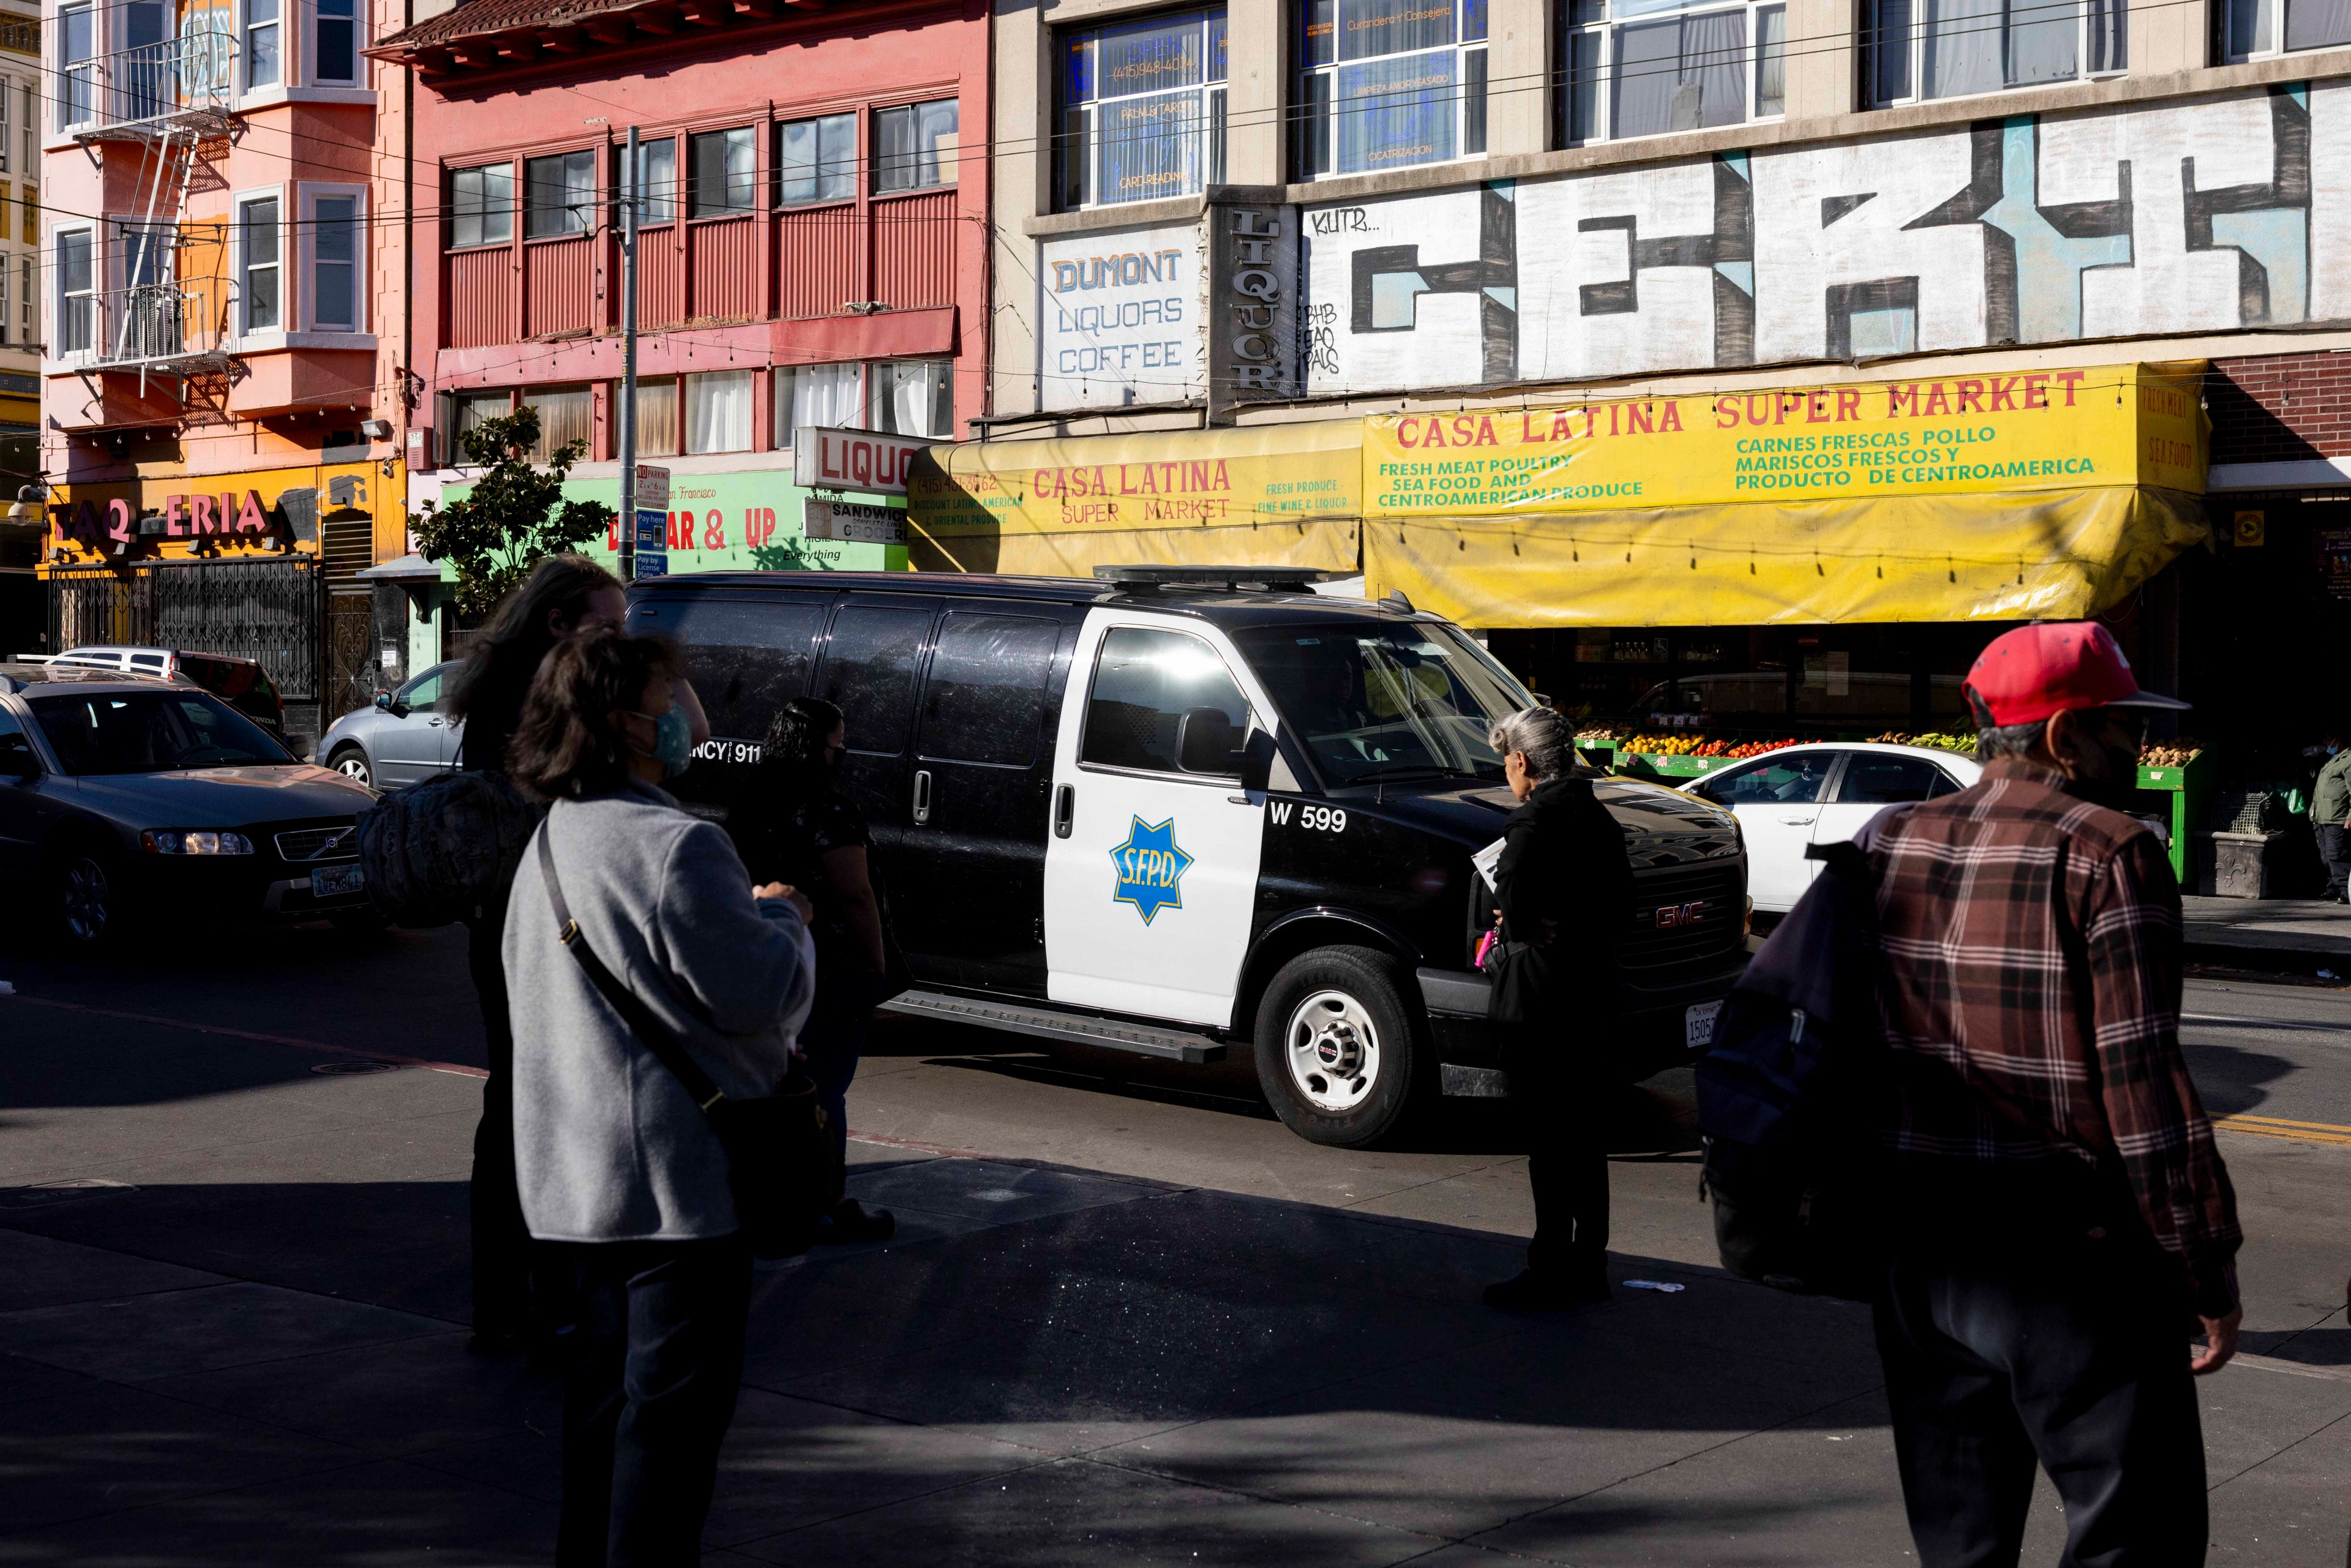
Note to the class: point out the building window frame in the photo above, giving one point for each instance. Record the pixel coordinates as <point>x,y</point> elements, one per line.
<point>314,262</point>
<point>242,231</point>
<point>885,377</point>
<point>830,178</point>
<point>252,31</point>
<point>1320,121</point>
<point>576,213</point>
<point>78,86</point>
<point>1897,35</point>
<point>353,17</point>
<point>1099,133</point>
<point>492,203</point>
<point>1590,105</point>
<point>655,207</point>
<point>77,308</point>
<point>931,153</point>
<point>737,190</point>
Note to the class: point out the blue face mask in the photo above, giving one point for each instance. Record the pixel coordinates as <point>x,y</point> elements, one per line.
<point>673,740</point>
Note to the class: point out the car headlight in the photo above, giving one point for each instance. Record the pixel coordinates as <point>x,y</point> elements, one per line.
<point>195,841</point>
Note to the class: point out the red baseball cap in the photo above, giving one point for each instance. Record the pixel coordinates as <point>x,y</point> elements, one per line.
<point>2029,674</point>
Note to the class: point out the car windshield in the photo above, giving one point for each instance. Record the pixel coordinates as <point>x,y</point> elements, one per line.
<point>1374,702</point>
<point>150,732</point>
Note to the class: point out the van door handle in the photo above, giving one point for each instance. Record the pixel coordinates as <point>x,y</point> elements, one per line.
<point>922,796</point>
<point>1065,810</point>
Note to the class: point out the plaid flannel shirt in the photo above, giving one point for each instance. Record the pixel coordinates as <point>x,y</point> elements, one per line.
<point>2030,945</point>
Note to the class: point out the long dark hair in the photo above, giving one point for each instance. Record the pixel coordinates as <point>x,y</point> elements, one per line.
<point>517,637</point>
<point>792,757</point>
<point>566,745</point>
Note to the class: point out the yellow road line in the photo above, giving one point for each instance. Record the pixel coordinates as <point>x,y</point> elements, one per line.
<point>2275,1127</point>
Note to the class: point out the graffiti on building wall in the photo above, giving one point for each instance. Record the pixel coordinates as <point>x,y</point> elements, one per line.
<point>2176,217</point>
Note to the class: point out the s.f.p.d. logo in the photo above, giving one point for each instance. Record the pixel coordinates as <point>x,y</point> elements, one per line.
<point>1150,868</point>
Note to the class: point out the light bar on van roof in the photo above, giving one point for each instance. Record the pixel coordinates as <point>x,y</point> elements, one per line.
<point>1257,579</point>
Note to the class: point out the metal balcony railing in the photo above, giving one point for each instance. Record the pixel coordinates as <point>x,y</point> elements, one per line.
<point>160,327</point>
<point>186,84</point>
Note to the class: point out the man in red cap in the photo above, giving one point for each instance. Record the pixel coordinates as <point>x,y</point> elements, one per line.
<point>2065,1222</point>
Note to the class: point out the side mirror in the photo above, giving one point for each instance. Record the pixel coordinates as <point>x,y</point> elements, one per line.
<point>17,761</point>
<point>1204,741</point>
<point>383,701</point>
<point>1256,763</point>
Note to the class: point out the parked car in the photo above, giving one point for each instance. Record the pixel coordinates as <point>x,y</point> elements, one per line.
<point>401,738</point>
<point>241,684</point>
<point>1176,817</point>
<point>1820,794</point>
<point>128,796</point>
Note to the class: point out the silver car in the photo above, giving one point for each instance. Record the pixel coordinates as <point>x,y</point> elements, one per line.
<point>404,738</point>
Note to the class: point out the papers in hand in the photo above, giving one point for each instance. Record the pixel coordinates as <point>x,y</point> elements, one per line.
<point>1489,861</point>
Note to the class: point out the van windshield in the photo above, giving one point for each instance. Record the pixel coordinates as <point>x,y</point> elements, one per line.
<point>1375,702</point>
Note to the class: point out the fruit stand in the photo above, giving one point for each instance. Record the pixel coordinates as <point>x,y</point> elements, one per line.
<point>2182,770</point>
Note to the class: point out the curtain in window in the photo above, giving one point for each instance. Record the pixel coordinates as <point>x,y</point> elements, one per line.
<point>1372,27</point>
<point>1771,61</point>
<point>2315,23</point>
<point>2109,32</point>
<point>564,416</point>
<point>656,419</point>
<point>719,412</point>
<point>657,181</point>
<point>914,397</point>
<point>1397,112</point>
<point>1963,49</point>
<point>817,159</point>
<point>467,412</point>
<point>2044,41</point>
<point>1889,47</point>
<point>1149,146</point>
<point>817,397</point>
<point>915,146</point>
<point>1681,74</point>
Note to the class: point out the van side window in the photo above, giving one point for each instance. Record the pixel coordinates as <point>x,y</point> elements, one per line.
<point>1146,683</point>
<point>745,658</point>
<point>869,673</point>
<point>984,700</point>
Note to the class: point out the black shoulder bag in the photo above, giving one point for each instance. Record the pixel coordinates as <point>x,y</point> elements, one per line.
<point>782,1166</point>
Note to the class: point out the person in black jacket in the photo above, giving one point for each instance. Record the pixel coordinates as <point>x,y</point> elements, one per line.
<point>1564,888</point>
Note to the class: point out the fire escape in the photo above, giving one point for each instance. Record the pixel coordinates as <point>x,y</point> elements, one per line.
<point>173,102</point>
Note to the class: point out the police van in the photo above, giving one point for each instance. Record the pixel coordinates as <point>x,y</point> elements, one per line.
<point>1184,811</point>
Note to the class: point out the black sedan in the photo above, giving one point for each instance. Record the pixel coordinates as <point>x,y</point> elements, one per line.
<point>127,799</point>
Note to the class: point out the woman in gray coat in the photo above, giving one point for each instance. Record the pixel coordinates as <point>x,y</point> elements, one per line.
<point>619,1170</point>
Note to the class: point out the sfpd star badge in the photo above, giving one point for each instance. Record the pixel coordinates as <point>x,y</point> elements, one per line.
<point>1150,869</point>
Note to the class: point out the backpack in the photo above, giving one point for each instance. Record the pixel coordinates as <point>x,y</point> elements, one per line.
<point>442,849</point>
<point>1791,1093</point>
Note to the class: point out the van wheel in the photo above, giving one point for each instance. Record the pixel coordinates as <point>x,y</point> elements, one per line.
<point>1337,1054</point>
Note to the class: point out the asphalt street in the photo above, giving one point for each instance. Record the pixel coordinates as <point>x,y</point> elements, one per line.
<point>1129,1317</point>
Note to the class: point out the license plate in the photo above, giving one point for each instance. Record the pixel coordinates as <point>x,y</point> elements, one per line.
<point>334,880</point>
<point>1698,1025</point>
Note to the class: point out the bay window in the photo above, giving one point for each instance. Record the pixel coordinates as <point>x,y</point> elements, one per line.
<point>1914,49</point>
<point>78,55</point>
<point>558,194</point>
<point>335,264</point>
<point>816,160</point>
<point>817,397</point>
<point>1391,83</point>
<point>725,171</point>
<point>260,43</point>
<point>77,292</point>
<point>914,146</point>
<point>1142,109</point>
<point>1647,68</point>
<point>335,41</point>
<point>259,281</point>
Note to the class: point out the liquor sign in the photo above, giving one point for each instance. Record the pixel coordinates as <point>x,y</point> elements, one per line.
<point>868,461</point>
<point>851,522</point>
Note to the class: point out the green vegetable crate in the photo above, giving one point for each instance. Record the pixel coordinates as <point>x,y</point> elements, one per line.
<point>2190,788</point>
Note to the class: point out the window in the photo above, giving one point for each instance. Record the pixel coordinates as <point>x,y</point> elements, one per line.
<point>260,43</point>
<point>984,700</point>
<point>913,397</point>
<point>422,693</point>
<point>31,139</point>
<point>657,418</point>
<point>2254,30</point>
<point>6,94</point>
<point>7,200</point>
<point>1950,49</point>
<point>77,292</point>
<point>869,675</point>
<point>657,181</point>
<point>77,52</point>
<point>1146,685</point>
<point>481,205</point>
<point>31,209</point>
<point>1142,109</point>
<point>1391,83</point>
<point>1369,702</point>
<point>466,413</point>
<point>726,175</point>
<point>719,412</point>
<point>819,397</point>
<point>4,302</point>
<point>746,661</point>
<point>142,74</point>
<point>558,194</point>
<point>915,147</point>
<point>335,41</point>
<point>257,242</point>
<point>1647,68</point>
<point>1878,779</point>
<point>816,160</point>
<point>566,415</point>
<point>335,264</point>
<point>28,308</point>
<point>1781,781</point>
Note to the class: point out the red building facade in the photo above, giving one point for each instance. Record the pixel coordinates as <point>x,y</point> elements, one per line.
<point>812,245</point>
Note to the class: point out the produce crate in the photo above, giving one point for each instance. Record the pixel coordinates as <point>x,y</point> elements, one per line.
<point>2190,788</point>
<point>1671,764</point>
<point>1600,754</point>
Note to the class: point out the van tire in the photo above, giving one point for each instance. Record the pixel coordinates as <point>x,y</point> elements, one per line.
<point>1338,1055</point>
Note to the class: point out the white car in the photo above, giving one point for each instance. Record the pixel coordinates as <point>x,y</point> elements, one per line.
<point>1820,794</point>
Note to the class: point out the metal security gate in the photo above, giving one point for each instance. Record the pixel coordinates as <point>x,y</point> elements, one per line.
<point>273,611</point>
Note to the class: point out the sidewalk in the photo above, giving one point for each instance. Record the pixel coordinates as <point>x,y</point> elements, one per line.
<point>2301,933</point>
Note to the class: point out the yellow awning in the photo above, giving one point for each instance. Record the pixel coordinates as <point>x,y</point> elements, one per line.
<point>1271,496</point>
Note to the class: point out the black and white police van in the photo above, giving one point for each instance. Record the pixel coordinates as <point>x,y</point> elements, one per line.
<point>1187,811</point>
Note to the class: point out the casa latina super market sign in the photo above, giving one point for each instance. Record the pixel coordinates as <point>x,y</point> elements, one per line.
<point>2036,430</point>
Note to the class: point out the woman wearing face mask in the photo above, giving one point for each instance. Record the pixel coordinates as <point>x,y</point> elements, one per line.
<point>622,1178</point>
<point>794,825</point>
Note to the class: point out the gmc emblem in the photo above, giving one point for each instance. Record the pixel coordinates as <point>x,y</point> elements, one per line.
<point>1672,915</point>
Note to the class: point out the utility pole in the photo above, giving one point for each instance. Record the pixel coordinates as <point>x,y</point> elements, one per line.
<point>628,196</point>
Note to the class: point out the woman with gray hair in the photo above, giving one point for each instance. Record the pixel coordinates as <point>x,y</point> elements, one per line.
<point>1562,890</point>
